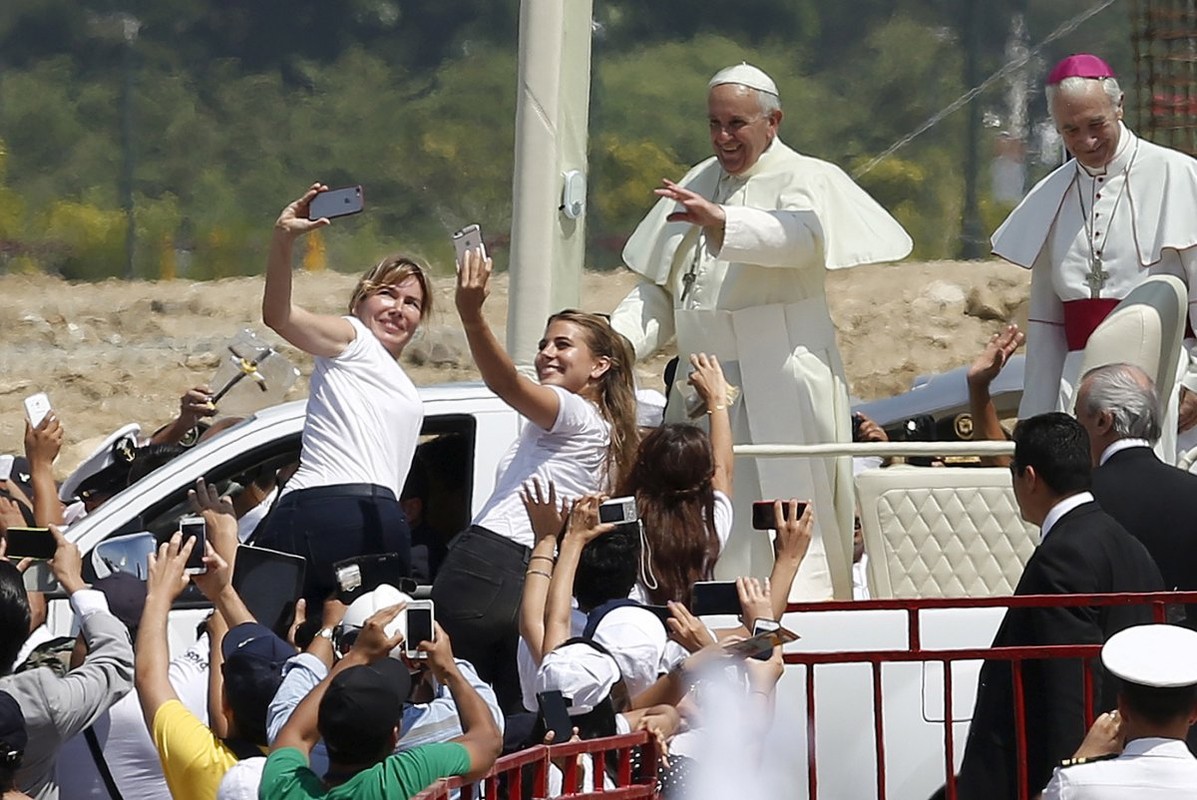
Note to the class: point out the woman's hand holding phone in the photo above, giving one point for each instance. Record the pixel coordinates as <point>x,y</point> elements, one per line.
<point>293,219</point>
<point>473,285</point>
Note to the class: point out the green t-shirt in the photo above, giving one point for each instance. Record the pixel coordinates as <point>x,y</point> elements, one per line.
<point>287,777</point>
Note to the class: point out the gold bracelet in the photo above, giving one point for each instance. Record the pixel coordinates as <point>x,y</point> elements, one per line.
<point>549,559</point>
<point>538,572</point>
<point>716,408</point>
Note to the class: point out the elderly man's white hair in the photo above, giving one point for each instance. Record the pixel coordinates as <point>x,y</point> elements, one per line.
<point>1127,393</point>
<point>753,78</point>
<point>1076,84</point>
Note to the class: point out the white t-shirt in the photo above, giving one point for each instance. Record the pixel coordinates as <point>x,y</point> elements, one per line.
<point>363,419</point>
<point>125,742</point>
<point>636,639</point>
<point>723,526</point>
<point>571,454</point>
<point>528,667</point>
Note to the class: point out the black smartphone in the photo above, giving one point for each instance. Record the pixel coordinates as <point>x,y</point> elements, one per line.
<point>763,518</point>
<point>194,528</point>
<point>36,543</point>
<point>714,597</point>
<point>554,713</point>
<point>337,203</point>
<point>764,626</point>
<point>420,627</point>
<point>269,583</point>
<point>356,576</point>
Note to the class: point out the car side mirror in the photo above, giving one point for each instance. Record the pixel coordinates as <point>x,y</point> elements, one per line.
<point>129,553</point>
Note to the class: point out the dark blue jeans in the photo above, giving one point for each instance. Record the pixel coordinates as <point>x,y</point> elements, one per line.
<point>326,524</point>
<point>477,594</point>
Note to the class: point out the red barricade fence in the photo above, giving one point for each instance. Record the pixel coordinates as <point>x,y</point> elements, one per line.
<point>915,652</point>
<point>525,775</point>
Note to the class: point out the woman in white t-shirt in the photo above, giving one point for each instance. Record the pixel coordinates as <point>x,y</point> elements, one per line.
<point>580,435</point>
<point>682,481</point>
<point>363,414</point>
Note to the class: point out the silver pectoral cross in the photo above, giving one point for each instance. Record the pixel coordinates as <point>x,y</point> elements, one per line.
<point>1096,277</point>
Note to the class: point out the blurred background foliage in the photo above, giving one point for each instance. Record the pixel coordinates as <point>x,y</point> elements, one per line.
<point>229,110</point>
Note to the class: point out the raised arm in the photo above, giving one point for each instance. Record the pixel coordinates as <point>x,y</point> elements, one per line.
<point>583,528</point>
<point>547,518</point>
<point>539,404</point>
<point>480,735</point>
<point>707,378</point>
<point>790,546</point>
<point>166,580</point>
<point>41,448</point>
<point>981,375</point>
<point>318,334</point>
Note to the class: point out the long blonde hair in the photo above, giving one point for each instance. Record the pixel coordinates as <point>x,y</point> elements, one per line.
<point>616,391</point>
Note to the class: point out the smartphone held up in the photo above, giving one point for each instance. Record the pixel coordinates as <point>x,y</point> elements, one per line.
<point>467,239</point>
<point>337,203</point>
<point>763,514</point>
<point>194,528</point>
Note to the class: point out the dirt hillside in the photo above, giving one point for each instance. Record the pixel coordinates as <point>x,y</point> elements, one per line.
<point>115,352</point>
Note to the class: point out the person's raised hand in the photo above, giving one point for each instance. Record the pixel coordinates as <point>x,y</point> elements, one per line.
<point>708,379</point>
<point>373,643</point>
<point>10,514</point>
<point>584,525</point>
<point>167,576</point>
<point>870,431</point>
<point>755,600</point>
<point>546,514</point>
<point>473,284</point>
<point>67,563</point>
<point>220,520</point>
<point>43,442</point>
<point>1105,737</point>
<point>764,675</point>
<point>687,629</point>
<point>195,404</point>
<point>22,565</point>
<point>998,350</point>
<point>793,530</point>
<point>440,653</point>
<point>217,577</point>
<point>696,209</point>
<point>293,220</point>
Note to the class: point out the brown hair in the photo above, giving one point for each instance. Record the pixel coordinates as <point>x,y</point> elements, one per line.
<point>617,388</point>
<point>391,271</point>
<point>671,480</point>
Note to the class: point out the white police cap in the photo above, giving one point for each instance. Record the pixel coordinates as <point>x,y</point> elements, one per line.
<point>1160,656</point>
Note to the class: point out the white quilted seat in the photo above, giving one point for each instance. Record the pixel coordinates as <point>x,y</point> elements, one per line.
<point>942,532</point>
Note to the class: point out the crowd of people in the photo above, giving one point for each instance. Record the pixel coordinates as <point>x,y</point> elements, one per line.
<point>573,586</point>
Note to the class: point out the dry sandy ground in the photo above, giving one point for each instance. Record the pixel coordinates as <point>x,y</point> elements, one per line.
<point>115,352</point>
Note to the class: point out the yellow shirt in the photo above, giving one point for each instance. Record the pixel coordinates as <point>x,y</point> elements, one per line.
<point>193,758</point>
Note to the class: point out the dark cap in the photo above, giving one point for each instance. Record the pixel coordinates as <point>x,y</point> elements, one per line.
<point>12,731</point>
<point>125,594</point>
<point>253,670</point>
<point>361,707</point>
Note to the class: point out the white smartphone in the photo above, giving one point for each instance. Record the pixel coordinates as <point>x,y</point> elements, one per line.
<point>468,238</point>
<point>6,467</point>
<point>421,627</point>
<point>337,203</point>
<point>36,408</point>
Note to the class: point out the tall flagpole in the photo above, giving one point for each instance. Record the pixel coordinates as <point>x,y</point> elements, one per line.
<point>552,119</point>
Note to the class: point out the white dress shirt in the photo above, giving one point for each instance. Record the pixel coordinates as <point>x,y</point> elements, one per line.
<point>1148,769</point>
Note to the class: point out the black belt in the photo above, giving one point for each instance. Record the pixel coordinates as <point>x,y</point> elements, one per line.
<point>342,490</point>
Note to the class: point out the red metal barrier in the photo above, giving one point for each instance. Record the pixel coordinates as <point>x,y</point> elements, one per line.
<point>915,652</point>
<point>532,765</point>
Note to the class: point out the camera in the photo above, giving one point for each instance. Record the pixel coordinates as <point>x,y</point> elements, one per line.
<point>619,510</point>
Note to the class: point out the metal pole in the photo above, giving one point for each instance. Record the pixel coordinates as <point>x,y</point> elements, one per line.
<point>971,233</point>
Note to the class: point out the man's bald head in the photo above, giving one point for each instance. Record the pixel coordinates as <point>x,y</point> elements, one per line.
<point>1118,401</point>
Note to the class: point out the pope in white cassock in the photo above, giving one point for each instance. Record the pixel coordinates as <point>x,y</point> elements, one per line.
<point>1121,210</point>
<point>732,260</point>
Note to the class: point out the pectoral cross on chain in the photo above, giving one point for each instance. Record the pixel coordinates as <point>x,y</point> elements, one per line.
<point>691,274</point>
<point>1096,278</point>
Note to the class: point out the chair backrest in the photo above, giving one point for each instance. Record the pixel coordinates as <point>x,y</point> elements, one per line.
<point>942,532</point>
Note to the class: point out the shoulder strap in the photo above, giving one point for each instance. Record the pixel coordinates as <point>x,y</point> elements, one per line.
<point>97,755</point>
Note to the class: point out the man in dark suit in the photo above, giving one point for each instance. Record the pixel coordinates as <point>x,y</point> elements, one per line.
<point>1082,550</point>
<point>1157,503</point>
